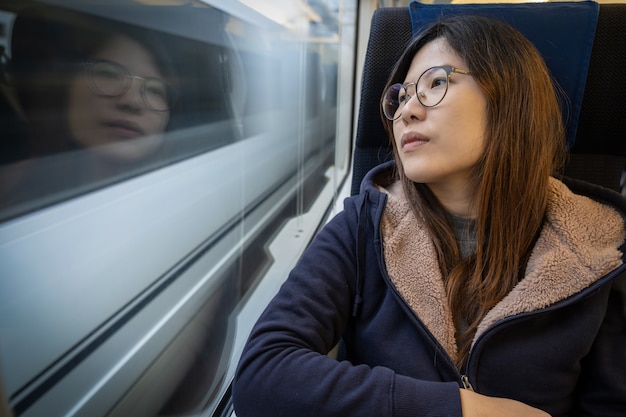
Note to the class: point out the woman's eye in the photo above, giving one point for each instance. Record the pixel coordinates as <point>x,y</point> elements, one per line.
<point>157,90</point>
<point>439,82</point>
<point>105,70</point>
<point>107,73</point>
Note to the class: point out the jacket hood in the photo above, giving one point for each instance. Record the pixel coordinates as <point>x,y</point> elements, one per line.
<point>578,245</point>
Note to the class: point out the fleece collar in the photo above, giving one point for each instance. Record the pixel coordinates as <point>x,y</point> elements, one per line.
<point>577,246</point>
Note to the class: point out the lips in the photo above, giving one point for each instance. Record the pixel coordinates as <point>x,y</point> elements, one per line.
<point>412,140</point>
<point>124,128</point>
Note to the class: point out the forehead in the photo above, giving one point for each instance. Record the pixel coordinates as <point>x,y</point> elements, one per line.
<point>435,52</point>
<point>130,54</point>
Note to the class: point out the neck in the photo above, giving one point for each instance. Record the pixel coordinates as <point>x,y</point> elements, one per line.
<point>457,201</point>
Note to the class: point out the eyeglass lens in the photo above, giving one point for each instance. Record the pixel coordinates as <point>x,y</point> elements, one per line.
<point>112,80</point>
<point>430,89</point>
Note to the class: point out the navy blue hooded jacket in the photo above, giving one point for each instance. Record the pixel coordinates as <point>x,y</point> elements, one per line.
<point>556,342</point>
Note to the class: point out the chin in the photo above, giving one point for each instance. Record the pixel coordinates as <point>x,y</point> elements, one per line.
<point>129,150</point>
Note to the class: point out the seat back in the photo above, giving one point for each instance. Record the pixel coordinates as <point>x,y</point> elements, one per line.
<point>598,154</point>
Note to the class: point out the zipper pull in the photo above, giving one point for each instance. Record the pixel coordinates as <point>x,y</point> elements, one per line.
<point>466,383</point>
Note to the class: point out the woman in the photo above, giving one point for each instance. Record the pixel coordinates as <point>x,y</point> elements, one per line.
<point>464,279</point>
<point>59,67</point>
<point>98,97</point>
<point>120,100</point>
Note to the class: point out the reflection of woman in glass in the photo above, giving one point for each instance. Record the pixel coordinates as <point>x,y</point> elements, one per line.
<point>61,64</point>
<point>119,96</point>
<point>97,97</point>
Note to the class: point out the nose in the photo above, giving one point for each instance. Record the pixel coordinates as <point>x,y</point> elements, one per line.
<point>413,109</point>
<point>131,99</point>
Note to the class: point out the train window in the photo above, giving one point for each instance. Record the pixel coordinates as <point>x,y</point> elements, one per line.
<point>162,166</point>
<point>69,73</point>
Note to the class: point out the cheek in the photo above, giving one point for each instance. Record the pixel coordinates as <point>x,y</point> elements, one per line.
<point>397,132</point>
<point>469,125</point>
<point>157,123</point>
<point>82,107</point>
<point>479,128</point>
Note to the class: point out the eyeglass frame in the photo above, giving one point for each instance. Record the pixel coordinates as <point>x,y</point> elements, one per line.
<point>447,68</point>
<point>127,82</point>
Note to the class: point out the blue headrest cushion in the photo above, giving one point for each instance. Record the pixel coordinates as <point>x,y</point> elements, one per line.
<point>563,32</point>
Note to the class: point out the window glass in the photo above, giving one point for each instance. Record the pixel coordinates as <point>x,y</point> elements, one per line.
<point>162,167</point>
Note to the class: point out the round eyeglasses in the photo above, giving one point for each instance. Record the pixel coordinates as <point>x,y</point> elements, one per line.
<point>111,80</point>
<point>431,87</point>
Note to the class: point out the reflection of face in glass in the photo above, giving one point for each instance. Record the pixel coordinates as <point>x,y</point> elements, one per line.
<point>125,119</point>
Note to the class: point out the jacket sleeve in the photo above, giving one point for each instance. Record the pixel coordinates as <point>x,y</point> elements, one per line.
<point>602,384</point>
<point>285,370</point>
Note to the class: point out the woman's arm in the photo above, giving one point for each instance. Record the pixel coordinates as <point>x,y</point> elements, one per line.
<point>284,370</point>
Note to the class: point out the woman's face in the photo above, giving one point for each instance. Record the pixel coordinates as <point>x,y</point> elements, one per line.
<point>438,146</point>
<point>96,120</point>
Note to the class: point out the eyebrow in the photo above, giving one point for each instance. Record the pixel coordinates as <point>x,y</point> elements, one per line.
<point>426,69</point>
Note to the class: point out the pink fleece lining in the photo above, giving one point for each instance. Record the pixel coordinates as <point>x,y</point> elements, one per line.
<point>577,246</point>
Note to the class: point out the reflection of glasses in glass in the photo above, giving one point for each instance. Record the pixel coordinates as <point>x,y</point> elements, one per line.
<point>431,87</point>
<point>111,80</point>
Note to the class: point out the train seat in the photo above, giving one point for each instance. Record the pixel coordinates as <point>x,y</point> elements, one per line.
<point>595,125</point>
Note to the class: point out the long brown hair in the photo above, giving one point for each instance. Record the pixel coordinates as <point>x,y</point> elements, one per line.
<point>524,145</point>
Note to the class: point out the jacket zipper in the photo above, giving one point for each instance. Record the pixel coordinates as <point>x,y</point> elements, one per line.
<point>463,378</point>
<point>466,383</point>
